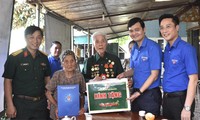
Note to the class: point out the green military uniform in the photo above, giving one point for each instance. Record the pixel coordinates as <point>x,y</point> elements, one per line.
<point>28,79</point>
<point>108,66</point>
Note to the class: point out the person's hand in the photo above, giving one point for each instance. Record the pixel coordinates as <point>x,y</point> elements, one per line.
<point>121,75</point>
<point>56,112</point>
<point>97,78</point>
<point>130,83</point>
<point>81,111</point>
<point>48,104</point>
<point>185,115</point>
<point>11,112</point>
<point>133,96</point>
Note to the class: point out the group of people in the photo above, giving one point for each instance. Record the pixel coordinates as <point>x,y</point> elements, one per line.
<point>30,76</point>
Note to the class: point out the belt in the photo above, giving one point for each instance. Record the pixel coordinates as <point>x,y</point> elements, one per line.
<point>174,94</point>
<point>156,88</point>
<point>30,98</point>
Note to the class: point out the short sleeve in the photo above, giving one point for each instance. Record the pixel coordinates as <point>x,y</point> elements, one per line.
<point>190,59</point>
<point>48,70</point>
<point>52,84</point>
<point>155,55</point>
<point>82,85</point>
<point>10,67</point>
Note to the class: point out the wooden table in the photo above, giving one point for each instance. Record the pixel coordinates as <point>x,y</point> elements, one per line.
<point>115,116</point>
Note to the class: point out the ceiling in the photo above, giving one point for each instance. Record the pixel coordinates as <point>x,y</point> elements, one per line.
<point>111,16</point>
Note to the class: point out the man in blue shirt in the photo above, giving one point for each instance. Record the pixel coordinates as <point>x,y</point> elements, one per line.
<point>145,64</point>
<point>54,57</point>
<point>181,71</point>
<point>54,61</point>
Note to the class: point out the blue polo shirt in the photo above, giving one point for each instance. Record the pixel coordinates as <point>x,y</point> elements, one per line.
<point>144,59</point>
<point>180,60</point>
<point>55,64</point>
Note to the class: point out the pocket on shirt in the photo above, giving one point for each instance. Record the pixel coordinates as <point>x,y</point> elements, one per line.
<point>25,67</point>
<point>175,62</point>
<point>43,68</point>
<point>144,66</point>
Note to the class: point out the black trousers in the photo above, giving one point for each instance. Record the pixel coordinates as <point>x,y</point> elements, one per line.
<point>30,110</point>
<point>173,104</point>
<point>150,101</point>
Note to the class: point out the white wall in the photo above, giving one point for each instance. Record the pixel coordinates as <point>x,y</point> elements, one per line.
<point>5,22</point>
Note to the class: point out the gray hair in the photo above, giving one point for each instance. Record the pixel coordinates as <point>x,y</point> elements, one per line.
<point>96,34</point>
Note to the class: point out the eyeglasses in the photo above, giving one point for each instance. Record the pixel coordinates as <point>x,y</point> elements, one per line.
<point>167,27</point>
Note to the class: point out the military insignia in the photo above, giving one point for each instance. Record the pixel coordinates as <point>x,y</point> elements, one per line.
<point>112,63</point>
<point>96,67</point>
<point>43,64</point>
<point>107,75</point>
<point>106,66</point>
<point>103,76</point>
<point>24,64</point>
<point>92,69</point>
<point>25,53</point>
<point>110,66</point>
<point>112,74</point>
<point>106,70</point>
<point>17,52</point>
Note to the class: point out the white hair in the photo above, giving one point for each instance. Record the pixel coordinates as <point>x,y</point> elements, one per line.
<point>96,34</point>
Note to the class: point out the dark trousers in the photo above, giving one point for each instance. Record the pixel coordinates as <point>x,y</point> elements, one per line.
<point>173,104</point>
<point>150,101</point>
<point>30,110</point>
<point>48,115</point>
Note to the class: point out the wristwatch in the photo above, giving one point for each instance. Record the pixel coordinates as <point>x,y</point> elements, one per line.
<point>139,92</point>
<point>187,108</point>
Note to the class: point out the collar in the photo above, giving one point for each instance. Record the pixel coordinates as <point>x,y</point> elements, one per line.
<point>55,58</point>
<point>26,52</point>
<point>144,43</point>
<point>97,56</point>
<point>175,44</point>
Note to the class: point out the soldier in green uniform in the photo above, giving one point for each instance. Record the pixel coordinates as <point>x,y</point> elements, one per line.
<point>101,65</point>
<point>25,75</point>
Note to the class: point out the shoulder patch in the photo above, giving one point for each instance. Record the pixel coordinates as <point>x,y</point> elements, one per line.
<point>43,53</point>
<point>17,52</point>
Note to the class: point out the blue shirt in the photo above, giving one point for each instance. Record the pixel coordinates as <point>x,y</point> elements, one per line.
<point>180,60</point>
<point>143,60</point>
<point>55,64</point>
